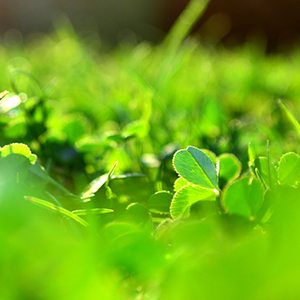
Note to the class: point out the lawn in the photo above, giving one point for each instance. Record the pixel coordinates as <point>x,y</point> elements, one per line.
<point>145,171</point>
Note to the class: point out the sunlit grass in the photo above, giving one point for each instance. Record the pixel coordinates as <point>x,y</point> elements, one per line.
<point>81,108</point>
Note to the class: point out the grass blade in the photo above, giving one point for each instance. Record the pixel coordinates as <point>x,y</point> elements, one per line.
<point>94,186</point>
<point>290,116</point>
<point>56,208</point>
<point>92,211</point>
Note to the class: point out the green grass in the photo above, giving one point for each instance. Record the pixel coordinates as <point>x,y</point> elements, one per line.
<point>91,206</point>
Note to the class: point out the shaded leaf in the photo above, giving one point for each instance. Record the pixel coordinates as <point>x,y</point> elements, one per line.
<point>125,186</point>
<point>15,161</point>
<point>243,198</point>
<point>114,230</point>
<point>139,215</point>
<point>210,154</point>
<point>17,148</point>
<point>39,171</point>
<point>74,130</point>
<point>15,129</point>
<point>230,167</point>
<point>160,202</point>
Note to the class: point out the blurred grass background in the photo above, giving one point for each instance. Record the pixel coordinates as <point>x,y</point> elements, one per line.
<point>274,22</point>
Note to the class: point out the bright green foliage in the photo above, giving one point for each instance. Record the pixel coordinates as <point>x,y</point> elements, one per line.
<point>19,149</point>
<point>16,161</point>
<point>267,171</point>
<point>221,226</point>
<point>3,94</point>
<point>179,183</point>
<point>244,198</point>
<point>135,129</point>
<point>251,154</point>
<point>186,197</point>
<point>199,177</point>
<point>97,183</point>
<point>196,167</point>
<point>290,116</point>
<point>210,154</point>
<point>94,186</point>
<point>289,169</point>
<point>83,212</point>
<point>198,181</point>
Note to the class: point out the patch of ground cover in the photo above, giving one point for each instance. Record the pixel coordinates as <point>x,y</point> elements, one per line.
<point>76,224</point>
